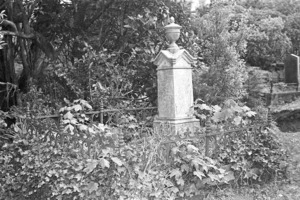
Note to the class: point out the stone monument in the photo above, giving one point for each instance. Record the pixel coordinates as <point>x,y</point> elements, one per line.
<point>175,89</point>
<point>291,67</point>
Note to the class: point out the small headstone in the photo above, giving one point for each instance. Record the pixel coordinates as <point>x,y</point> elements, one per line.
<point>292,69</point>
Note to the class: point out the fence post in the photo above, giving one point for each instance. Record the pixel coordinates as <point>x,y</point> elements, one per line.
<point>121,142</point>
<point>27,111</point>
<point>101,111</point>
<point>207,132</point>
<point>27,120</point>
<point>61,130</point>
<point>269,117</point>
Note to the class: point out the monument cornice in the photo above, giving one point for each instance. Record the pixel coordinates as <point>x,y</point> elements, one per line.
<point>172,58</point>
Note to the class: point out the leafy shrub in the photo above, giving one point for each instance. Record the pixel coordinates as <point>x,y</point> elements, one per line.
<point>191,171</point>
<point>94,162</point>
<point>253,154</point>
<point>222,31</point>
<point>91,161</point>
<point>259,159</point>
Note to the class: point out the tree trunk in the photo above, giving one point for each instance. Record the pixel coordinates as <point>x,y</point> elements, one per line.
<point>8,89</point>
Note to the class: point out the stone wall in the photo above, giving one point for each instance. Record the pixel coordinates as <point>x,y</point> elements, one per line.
<point>281,98</point>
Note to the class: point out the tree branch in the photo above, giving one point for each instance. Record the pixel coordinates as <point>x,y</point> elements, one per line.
<point>5,22</point>
<point>17,34</point>
<point>2,6</point>
<point>25,17</point>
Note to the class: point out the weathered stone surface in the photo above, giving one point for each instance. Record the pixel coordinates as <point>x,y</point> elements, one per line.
<point>175,92</point>
<point>175,121</point>
<point>292,69</point>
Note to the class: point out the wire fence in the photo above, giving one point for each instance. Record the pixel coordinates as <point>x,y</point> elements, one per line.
<point>208,138</point>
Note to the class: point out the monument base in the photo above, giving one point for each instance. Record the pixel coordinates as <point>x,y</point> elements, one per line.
<point>176,126</point>
<point>172,131</point>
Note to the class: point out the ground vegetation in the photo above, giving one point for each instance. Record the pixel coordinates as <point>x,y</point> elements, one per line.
<point>69,57</point>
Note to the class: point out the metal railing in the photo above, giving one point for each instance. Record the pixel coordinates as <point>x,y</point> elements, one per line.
<point>208,139</point>
<point>51,129</point>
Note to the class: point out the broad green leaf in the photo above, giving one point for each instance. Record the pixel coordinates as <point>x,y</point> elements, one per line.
<point>132,18</point>
<point>199,174</point>
<point>196,162</point>
<point>67,101</point>
<point>92,186</point>
<point>180,181</point>
<point>227,113</point>
<point>132,126</point>
<point>174,150</point>
<point>217,116</point>
<point>213,177</point>
<point>237,120</point>
<point>17,129</point>
<point>245,108</point>
<point>107,151</point>
<point>104,163</point>
<point>62,109</point>
<point>209,181</point>
<point>75,188</point>
<point>216,108</point>
<point>78,177</point>
<point>175,172</point>
<point>229,177</point>
<point>92,164</point>
<point>156,193</point>
<point>73,121</point>
<point>117,161</point>
<point>250,113</point>
<point>204,107</point>
<point>91,130</point>
<point>70,128</point>
<point>77,107</point>
<point>68,115</point>
<point>192,148</point>
<point>132,118</point>
<point>86,104</point>
<point>82,127</point>
<point>202,116</point>
<point>222,170</point>
<point>185,168</point>
<point>175,190</point>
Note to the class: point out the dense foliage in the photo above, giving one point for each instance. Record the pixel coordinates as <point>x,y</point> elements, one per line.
<point>100,51</point>
<point>253,155</point>
<point>223,43</point>
<point>66,47</point>
<point>91,161</point>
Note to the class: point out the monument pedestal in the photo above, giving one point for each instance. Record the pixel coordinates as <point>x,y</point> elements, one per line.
<point>175,121</point>
<point>175,93</point>
<point>176,126</point>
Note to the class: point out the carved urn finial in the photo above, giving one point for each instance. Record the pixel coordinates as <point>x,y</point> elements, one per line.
<point>172,35</point>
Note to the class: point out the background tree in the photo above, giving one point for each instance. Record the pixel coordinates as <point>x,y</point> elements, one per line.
<point>22,45</point>
<point>267,42</point>
<point>116,49</point>
<point>292,28</point>
<point>66,47</point>
<point>111,41</point>
<point>222,32</point>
